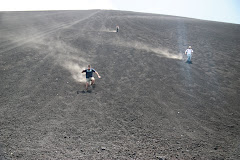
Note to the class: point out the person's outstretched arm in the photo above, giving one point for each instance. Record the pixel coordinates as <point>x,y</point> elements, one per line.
<point>98,74</point>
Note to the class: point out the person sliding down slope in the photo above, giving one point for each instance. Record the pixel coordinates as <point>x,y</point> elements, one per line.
<point>117,28</point>
<point>189,52</point>
<point>89,76</point>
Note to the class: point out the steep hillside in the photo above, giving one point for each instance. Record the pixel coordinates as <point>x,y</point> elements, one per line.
<point>149,103</point>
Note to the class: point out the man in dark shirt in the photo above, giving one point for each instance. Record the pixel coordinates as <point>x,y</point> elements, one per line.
<point>117,28</point>
<point>89,76</point>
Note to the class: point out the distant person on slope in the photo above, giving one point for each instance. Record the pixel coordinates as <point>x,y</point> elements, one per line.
<point>189,52</point>
<point>117,28</point>
<point>89,76</point>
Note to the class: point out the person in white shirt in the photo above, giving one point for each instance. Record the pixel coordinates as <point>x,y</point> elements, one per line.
<point>189,52</point>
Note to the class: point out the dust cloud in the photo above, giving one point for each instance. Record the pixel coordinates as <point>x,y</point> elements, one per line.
<point>64,55</point>
<point>163,52</point>
<point>75,69</point>
<point>159,51</point>
<point>69,58</point>
<point>107,30</point>
<point>46,40</point>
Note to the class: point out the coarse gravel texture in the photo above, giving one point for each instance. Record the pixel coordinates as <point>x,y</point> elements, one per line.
<point>148,105</point>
